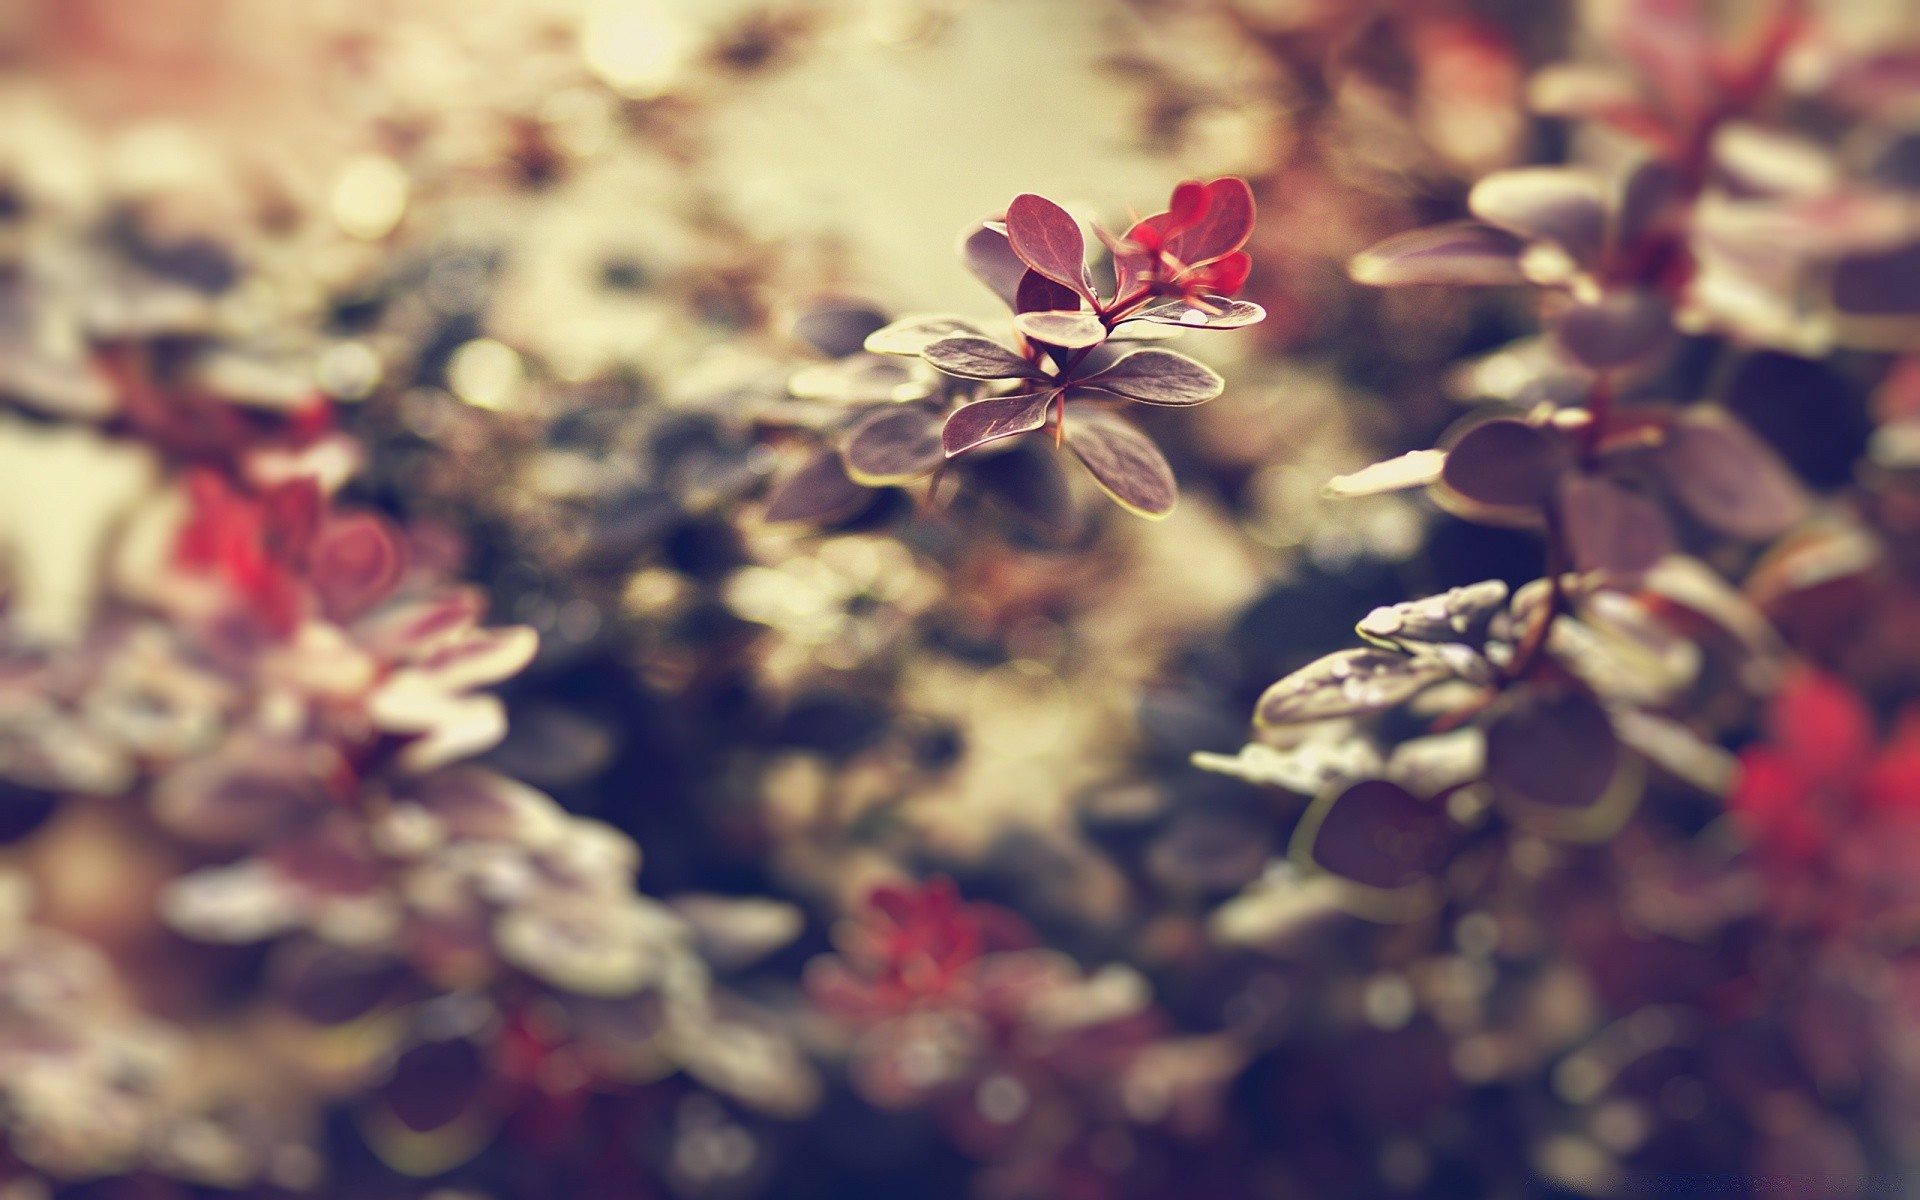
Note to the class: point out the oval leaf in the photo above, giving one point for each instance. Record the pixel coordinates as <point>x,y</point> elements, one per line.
<point>1620,328</point>
<point>990,257</point>
<point>1464,253</point>
<point>1349,683</point>
<point>1123,461</point>
<point>355,563</point>
<point>894,446</point>
<point>1730,479</point>
<point>986,421</point>
<point>1557,204</point>
<point>1415,468</point>
<point>1507,463</point>
<point>1048,239</point>
<point>1610,528</point>
<point>1159,377</point>
<point>978,358</point>
<point>819,492</point>
<point>1072,330</point>
<point>1226,314</point>
<point>912,334</point>
<point>837,330</point>
<point>1378,834</point>
<point>1558,751</point>
<point>1037,293</point>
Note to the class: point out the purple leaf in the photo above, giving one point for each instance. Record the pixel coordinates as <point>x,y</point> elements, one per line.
<point>1880,284</point>
<point>978,358</point>
<point>1349,683</point>
<point>1379,834</point>
<point>1464,253</point>
<point>1048,239</point>
<point>1071,330</point>
<point>1610,528</point>
<point>1557,751</point>
<point>986,421</point>
<point>1507,463</point>
<point>837,330</point>
<point>1227,314</point>
<point>910,335</point>
<point>1123,461</point>
<point>894,446</point>
<point>1725,475</point>
<point>435,1083</point>
<point>818,493</point>
<point>1037,293</point>
<point>1028,481</point>
<point>991,258</point>
<point>1622,327</point>
<point>1159,377</point>
<point>1557,204</point>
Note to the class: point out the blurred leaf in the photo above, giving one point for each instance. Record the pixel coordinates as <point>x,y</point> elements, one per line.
<point>1028,481</point>
<point>355,563</point>
<point>1072,330</point>
<point>1507,463</point>
<point>864,379</point>
<point>1159,377</point>
<point>1349,683</point>
<point>986,421</point>
<point>1377,834</point>
<point>1883,284</point>
<point>978,358</point>
<point>1725,475</point>
<point>1123,461</point>
<point>1564,205</point>
<point>1458,614</point>
<point>1555,750</point>
<point>991,258</point>
<point>1306,768</point>
<point>1624,326</point>
<point>837,330</point>
<point>912,334</point>
<point>1464,253</point>
<point>1415,468</point>
<point>893,446</point>
<point>1609,528</point>
<point>819,492</point>
<point>1048,239</point>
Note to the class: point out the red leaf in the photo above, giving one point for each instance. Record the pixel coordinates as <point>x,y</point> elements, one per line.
<point>1037,293</point>
<point>1048,239</point>
<point>1223,226</point>
<point>356,563</point>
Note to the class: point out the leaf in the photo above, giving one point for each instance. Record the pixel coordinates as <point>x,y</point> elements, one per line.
<point>1610,528</point>
<point>1463,253</point>
<point>1307,768</point>
<point>1377,834</point>
<point>1159,377</point>
<point>1622,327</point>
<point>1457,614</point>
<point>1557,750</point>
<point>864,379</point>
<point>818,493</point>
<point>893,446</point>
<point>1123,461</point>
<point>1879,284</point>
<point>985,421</point>
<point>978,358</point>
<point>1028,482</point>
<point>1048,239</point>
<point>1227,314</point>
<point>990,257</point>
<point>1563,205</point>
<point>1349,683</point>
<point>1507,463</point>
<point>1680,751</point>
<point>355,563</point>
<point>1069,329</point>
<point>837,330</point>
<point>1415,468</point>
<point>1225,222</point>
<point>1724,474</point>
<point>912,334</point>
<point>1037,293</point>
